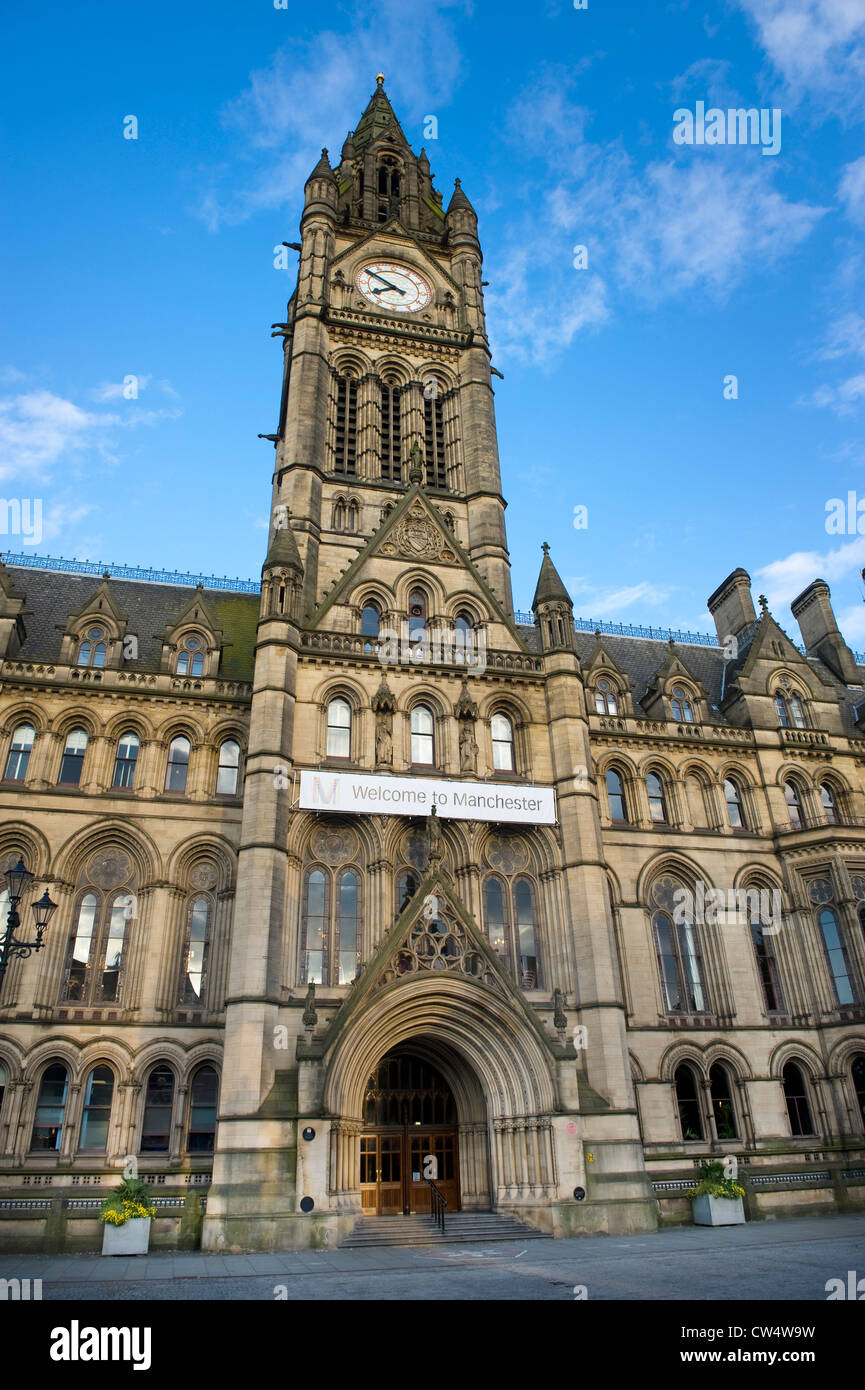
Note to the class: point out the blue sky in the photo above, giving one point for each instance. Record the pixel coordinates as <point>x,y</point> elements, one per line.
<point>154,258</point>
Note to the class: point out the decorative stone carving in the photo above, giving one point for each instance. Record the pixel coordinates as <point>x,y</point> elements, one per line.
<point>109,868</point>
<point>820,890</point>
<point>507,853</point>
<point>664,893</point>
<point>383,742</point>
<point>203,876</point>
<point>857,883</point>
<point>468,747</point>
<point>418,538</point>
<point>310,1017</point>
<point>334,845</point>
<point>433,839</point>
<point>437,942</point>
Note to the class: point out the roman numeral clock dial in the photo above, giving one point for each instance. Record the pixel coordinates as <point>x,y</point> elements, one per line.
<point>394,287</point>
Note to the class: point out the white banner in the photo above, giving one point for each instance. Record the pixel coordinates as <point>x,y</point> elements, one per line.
<point>354,793</point>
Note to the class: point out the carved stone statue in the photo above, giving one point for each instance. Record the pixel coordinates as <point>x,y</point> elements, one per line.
<point>433,838</point>
<point>468,748</point>
<point>383,743</point>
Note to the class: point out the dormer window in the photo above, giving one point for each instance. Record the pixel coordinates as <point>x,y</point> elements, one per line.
<point>683,709</point>
<point>92,649</point>
<point>190,660</point>
<point>605,698</point>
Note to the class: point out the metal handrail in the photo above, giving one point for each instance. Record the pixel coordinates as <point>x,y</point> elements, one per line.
<point>438,1203</point>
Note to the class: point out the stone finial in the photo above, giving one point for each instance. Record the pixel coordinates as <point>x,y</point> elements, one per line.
<point>379,80</point>
<point>465,707</point>
<point>384,700</point>
<point>764,603</point>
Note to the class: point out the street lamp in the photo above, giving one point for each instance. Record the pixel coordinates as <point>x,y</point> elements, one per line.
<point>17,880</point>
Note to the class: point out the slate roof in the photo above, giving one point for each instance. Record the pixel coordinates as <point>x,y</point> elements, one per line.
<point>149,608</point>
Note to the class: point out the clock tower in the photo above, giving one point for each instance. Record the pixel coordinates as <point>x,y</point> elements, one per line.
<point>386,353</point>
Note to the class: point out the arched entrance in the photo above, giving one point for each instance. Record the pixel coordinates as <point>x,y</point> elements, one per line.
<point>410,1134</point>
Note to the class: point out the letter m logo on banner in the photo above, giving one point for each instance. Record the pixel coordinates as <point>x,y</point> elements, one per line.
<point>322,793</point>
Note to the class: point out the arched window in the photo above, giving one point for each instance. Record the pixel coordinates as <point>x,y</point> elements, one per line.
<point>178,764</point>
<point>417,615</point>
<point>723,1111</point>
<point>19,753</point>
<point>406,887</point>
<point>73,758</point>
<point>388,186</point>
<point>657,800</point>
<point>338,729</point>
<point>434,440</point>
<point>680,965</point>
<point>2,1076</point>
<point>797,709</point>
<point>370,619</point>
<point>158,1107</point>
<point>91,652</point>
<point>463,624</point>
<point>98,1095</point>
<point>229,764</point>
<point>733,798</point>
<point>688,1102</point>
<point>313,960</point>
<point>495,920</point>
<point>781,710</point>
<point>796,1096</point>
<point>346,948</point>
<point>203,1097</point>
<point>422,737</point>
<point>503,744</point>
<point>683,709</point>
<point>391,431</point>
<point>836,954</point>
<point>190,659</point>
<point>339,514</point>
<point>526,933</point>
<point>345,442</point>
<point>767,965</point>
<point>830,806</point>
<point>352,516</point>
<point>193,976</point>
<point>794,805</point>
<point>605,698</point>
<point>50,1110</point>
<point>95,960</point>
<point>125,760</point>
<point>616,796</point>
<point>857,1072</point>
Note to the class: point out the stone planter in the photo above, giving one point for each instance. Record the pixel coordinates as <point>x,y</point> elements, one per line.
<point>132,1238</point>
<point>718,1211</point>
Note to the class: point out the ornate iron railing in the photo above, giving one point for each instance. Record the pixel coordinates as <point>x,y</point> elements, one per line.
<point>148,576</point>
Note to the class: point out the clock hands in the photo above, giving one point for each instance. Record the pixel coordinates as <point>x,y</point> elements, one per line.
<point>386,283</point>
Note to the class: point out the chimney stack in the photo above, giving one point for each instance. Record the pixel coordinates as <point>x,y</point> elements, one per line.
<point>731,605</point>
<point>813,612</point>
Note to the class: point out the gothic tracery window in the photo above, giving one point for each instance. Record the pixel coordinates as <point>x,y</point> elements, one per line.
<point>94,964</point>
<point>683,708</point>
<point>47,1134</point>
<point>391,430</point>
<point>345,443</point>
<point>190,658</point>
<point>91,651</point>
<point>330,927</point>
<point>677,943</point>
<point>511,926</point>
<point>193,978</point>
<point>605,697</point>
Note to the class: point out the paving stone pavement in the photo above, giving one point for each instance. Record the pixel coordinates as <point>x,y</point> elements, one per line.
<point>762,1261</point>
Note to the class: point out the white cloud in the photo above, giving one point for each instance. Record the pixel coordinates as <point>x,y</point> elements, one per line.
<point>39,429</point>
<point>323,85</point>
<point>851,189</point>
<point>114,390</point>
<point>782,580</point>
<point>593,602</point>
<point>817,47</point>
<point>845,338</point>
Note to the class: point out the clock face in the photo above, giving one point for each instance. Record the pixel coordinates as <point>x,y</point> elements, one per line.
<point>394,287</point>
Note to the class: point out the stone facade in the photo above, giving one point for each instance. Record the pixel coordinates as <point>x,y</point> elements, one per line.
<point>601,1018</point>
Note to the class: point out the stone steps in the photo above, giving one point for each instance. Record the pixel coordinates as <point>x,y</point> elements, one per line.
<point>461,1227</point>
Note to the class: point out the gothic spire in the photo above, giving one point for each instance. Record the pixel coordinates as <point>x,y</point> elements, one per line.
<point>550,587</point>
<point>378,116</point>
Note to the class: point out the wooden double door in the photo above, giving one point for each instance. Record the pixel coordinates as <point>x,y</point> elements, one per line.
<point>393,1162</point>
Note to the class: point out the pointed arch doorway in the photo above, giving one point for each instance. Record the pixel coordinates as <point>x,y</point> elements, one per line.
<point>409,1132</point>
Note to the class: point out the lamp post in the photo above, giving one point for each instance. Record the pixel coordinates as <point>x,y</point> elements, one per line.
<point>17,880</point>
